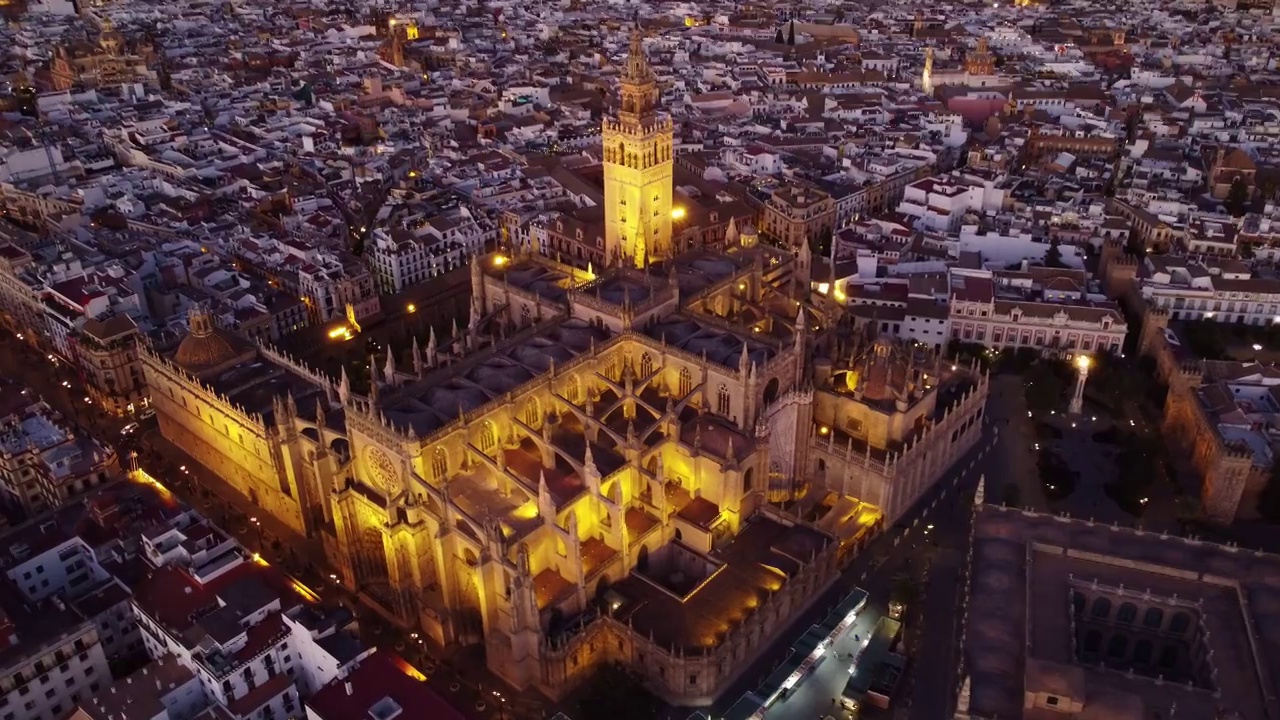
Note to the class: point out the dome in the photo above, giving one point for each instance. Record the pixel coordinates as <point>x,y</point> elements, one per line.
<point>205,347</point>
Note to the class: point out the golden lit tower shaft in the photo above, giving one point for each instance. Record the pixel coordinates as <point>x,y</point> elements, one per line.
<point>637,146</point>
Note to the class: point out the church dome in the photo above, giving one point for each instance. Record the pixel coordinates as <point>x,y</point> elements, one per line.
<point>205,347</point>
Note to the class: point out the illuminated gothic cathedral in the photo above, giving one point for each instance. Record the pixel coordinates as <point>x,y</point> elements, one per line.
<point>659,465</point>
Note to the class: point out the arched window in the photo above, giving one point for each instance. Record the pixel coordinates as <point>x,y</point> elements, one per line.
<point>722,400</point>
<point>686,382</point>
<point>771,392</point>
<point>1077,602</point>
<point>573,390</point>
<point>1127,613</point>
<point>748,479</point>
<point>532,413</point>
<point>1142,652</point>
<point>439,463</point>
<point>488,436</point>
<point>646,365</point>
<point>1092,641</point>
<point>1169,657</point>
<point>1153,618</point>
<point>526,315</point>
<point>1101,608</point>
<point>1117,646</point>
<point>1180,622</point>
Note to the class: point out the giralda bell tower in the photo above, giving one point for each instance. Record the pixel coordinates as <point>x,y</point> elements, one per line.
<point>637,147</point>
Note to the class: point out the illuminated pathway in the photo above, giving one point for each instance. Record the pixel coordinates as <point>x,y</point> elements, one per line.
<point>812,696</point>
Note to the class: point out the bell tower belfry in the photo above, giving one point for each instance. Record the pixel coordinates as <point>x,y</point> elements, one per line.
<point>638,152</point>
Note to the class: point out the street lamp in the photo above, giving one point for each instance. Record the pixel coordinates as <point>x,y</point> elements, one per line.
<point>1082,363</point>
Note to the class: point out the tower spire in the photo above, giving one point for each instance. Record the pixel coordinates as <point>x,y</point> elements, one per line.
<point>638,70</point>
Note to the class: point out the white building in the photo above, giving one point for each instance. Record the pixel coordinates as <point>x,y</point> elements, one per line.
<point>403,257</point>
<point>1006,317</point>
<point>248,634</point>
<point>1225,291</point>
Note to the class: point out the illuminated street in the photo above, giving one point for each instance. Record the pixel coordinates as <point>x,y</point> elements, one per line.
<point>818,693</point>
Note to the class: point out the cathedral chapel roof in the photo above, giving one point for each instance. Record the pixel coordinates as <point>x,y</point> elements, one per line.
<point>207,347</point>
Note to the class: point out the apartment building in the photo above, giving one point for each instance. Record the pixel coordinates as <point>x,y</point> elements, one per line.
<point>1221,290</point>
<point>43,462</point>
<point>1006,316</point>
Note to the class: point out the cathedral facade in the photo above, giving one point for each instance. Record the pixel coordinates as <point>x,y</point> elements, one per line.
<point>659,465</point>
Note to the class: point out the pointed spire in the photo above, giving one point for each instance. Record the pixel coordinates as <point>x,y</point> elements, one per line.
<point>980,496</point>
<point>744,362</point>
<point>417,357</point>
<point>389,370</point>
<point>546,506</point>
<point>374,379</point>
<point>453,335</point>
<point>344,387</point>
<point>320,419</point>
<point>432,348</point>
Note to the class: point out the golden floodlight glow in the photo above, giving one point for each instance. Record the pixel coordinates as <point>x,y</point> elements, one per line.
<point>677,213</point>
<point>412,308</point>
<point>500,260</point>
<point>307,593</point>
<point>1083,362</point>
<point>408,669</point>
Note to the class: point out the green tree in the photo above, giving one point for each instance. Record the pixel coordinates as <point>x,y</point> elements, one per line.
<point>791,33</point>
<point>1053,256</point>
<point>777,37</point>
<point>1237,202</point>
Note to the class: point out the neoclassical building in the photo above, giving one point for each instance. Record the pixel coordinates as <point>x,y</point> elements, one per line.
<point>636,466</point>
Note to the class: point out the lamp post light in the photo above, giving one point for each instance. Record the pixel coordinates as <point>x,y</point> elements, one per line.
<point>1082,363</point>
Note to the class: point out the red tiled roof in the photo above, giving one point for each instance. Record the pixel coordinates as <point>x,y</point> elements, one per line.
<point>375,678</point>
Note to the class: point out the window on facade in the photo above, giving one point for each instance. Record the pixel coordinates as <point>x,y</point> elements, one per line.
<point>722,400</point>
<point>439,463</point>
<point>646,365</point>
<point>686,382</point>
<point>532,412</point>
<point>488,436</point>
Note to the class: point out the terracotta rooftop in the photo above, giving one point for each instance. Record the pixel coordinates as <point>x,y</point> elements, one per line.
<point>375,680</point>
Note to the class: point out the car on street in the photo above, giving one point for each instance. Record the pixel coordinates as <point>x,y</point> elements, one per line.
<point>147,414</point>
<point>129,429</point>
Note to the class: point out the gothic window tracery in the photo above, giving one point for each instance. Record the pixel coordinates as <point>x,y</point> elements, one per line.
<point>722,400</point>
<point>686,381</point>
<point>439,463</point>
<point>488,436</point>
<point>646,365</point>
<point>532,412</point>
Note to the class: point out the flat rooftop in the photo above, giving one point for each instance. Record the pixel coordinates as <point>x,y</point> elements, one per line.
<point>1031,567</point>
<point>759,561</point>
